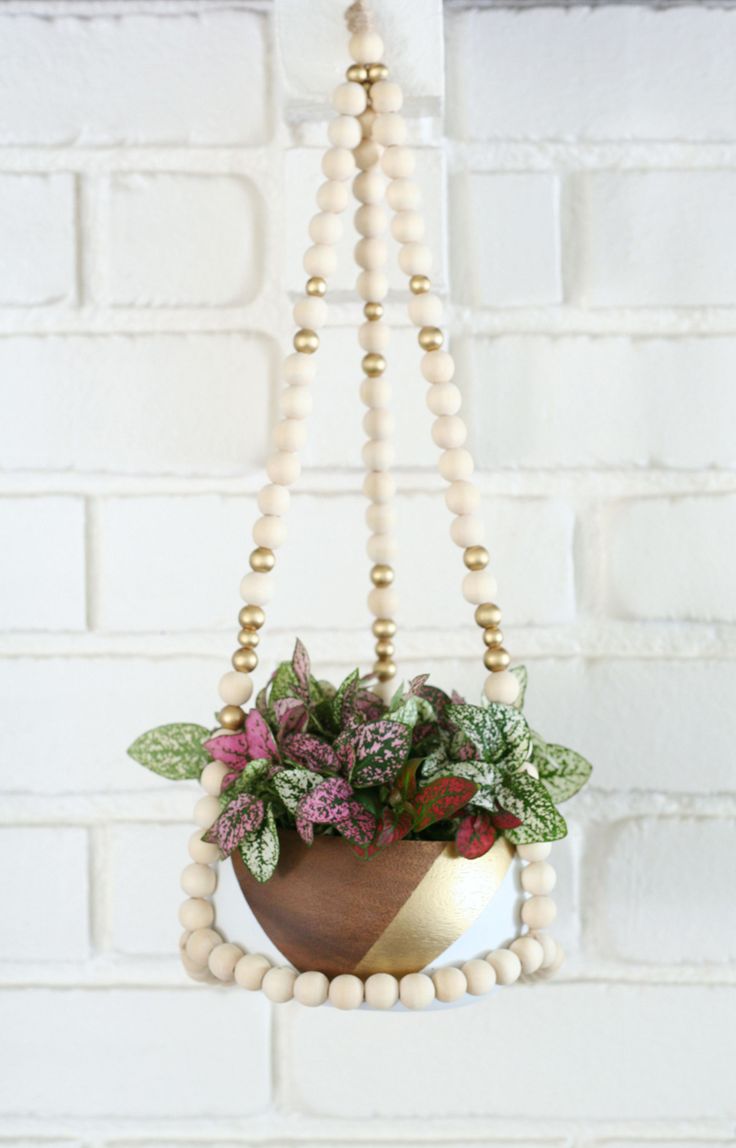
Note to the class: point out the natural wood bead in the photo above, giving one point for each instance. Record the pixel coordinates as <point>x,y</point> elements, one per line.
<point>251,617</point>
<point>262,559</point>
<point>211,779</point>
<point>324,227</point>
<point>444,399</point>
<point>289,434</point>
<point>529,952</point>
<point>278,984</point>
<point>506,965</point>
<point>377,73</point>
<point>381,991</point>
<point>425,310</point>
<point>407,226</point>
<point>437,366</point>
<point>346,991</point>
<point>403,195</point>
<point>257,588</point>
<point>311,988</point>
<point>299,370</point>
<point>196,913</point>
<point>398,163</point>
<point>365,47</point>
<point>196,972</point>
<point>244,661</point>
<point>379,486</point>
<point>235,688</point>
<point>372,285</point>
<point>374,336</point>
<point>371,254</point>
<point>337,163</point>
<point>316,285</point>
<point>248,638</point>
<point>295,402</point>
<point>385,649</point>
<point>206,812</point>
<point>373,311</point>
<point>201,943</point>
<point>389,129</point>
<point>384,628</point>
<point>462,497</point>
<point>378,455</point>
<point>549,948</point>
<point>478,586</point>
<point>250,971</point>
<point>373,364</point>
<point>231,717</point>
<point>476,557</point>
<point>311,312</point>
<point>384,669</point>
<point>370,220</point>
<point>198,880</point>
<point>383,602</point>
<point>357,73</point>
<point>538,878</point>
<point>344,131</point>
<point>467,530</point>
<point>365,119</point>
<point>448,431</point>
<point>538,912</point>
<point>283,467</point>
<point>559,959</point>
<point>487,614</point>
<point>480,977</point>
<point>370,187</point>
<point>419,284</point>
<point>496,659</point>
<point>457,463</point>
<point>502,686</point>
<point>366,154</point>
<point>537,851</point>
<point>223,959</point>
<point>320,259</point>
<point>430,338</point>
<point>416,990</point>
<point>333,196</point>
<point>380,517</point>
<point>203,852</point>
<point>386,96</point>
<point>306,342</point>
<point>273,499</point>
<point>450,984</point>
<point>381,548</point>
<point>415,259</point>
<point>379,424</point>
<point>269,532</point>
<point>492,636</point>
<point>375,392</point>
<point>382,575</point>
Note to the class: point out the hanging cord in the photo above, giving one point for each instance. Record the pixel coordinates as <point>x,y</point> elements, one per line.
<point>359,17</point>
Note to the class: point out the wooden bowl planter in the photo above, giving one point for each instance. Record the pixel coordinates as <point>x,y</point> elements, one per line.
<point>327,909</point>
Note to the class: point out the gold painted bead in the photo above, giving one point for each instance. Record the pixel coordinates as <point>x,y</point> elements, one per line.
<point>262,560</point>
<point>384,669</point>
<point>251,617</point>
<point>384,628</point>
<point>316,286</point>
<point>493,636</point>
<point>475,557</point>
<point>487,615</point>
<point>419,284</point>
<point>373,364</point>
<point>384,649</point>
<point>306,341</point>
<point>231,717</point>
<point>382,575</point>
<point>357,74</point>
<point>373,311</point>
<point>377,72</point>
<point>496,659</point>
<point>430,338</point>
<point>249,639</point>
<point>244,660</point>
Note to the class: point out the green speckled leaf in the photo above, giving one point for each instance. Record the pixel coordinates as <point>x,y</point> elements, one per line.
<point>260,849</point>
<point>527,799</point>
<point>520,672</point>
<point>292,784</point>
<point>499,733</point>
<point>562,771</point>
<point>173,751</point>
<point>284,683</point>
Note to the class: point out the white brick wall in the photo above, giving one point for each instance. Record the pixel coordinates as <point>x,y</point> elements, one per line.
<point>157,169</point>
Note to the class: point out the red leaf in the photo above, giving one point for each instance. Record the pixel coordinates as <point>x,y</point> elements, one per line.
<point>475,835</point>
<point>504,820</point>
<point>441,799</point>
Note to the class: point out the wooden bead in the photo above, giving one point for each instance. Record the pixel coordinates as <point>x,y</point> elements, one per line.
<point>223,959</point>
<point>250,971</point>
<point>324,227</point>
<point>231,718</point>
<point>381,548</point>
<point>373,311</point>
<point>235,688</point>
<point>311,312</point>
<point>457,463</point>
<point>278,984</point>
<point>299,370</point>
<point>357,73</point>
<point>337,163</point>
<point>529,952</point>
<point>371,254</point>
<point>437,366</point>
<point>389,129</point>
<point>373,364</point>
<point>372,285</point>
<point>403,195</point>
<point>344,131</point>
<point>386,96</point>
<point>480,977</point>
<point>196,913</point>
<point>316,285</point>
<point>383,602</point>
<point>249,638</point>
<point>366,47</point>
<point>408,227</point>
<point>332,196</point>
<point>200,944</point>
<point>384,669</point>
<point>379,486</point>
<point>346,991</point>
<point>506,965</point>
<point>367,154</point>
<point>295,402</point>
<point>538,851</point>
<point>476,557</point>
<point>502,687</point>
<point>244,660</point>
<point>415,259</point>
<point>467,530</point>
<point>306,342</point>
<point>379,424</point>
<point>251,617</point>
<point>381,991</point>
<point>450,984</point>
<point>398,163</point>
<point>311,989</point>
<point>496,659</point>
<point>203,852</point>
<point>378,456</point>
<point>492,636</point>
<point>559,959</point>
<point>538,912</point>
<point>419,284</point>
<point>262,559</point>
<point>320,259</point>
<point>376,393</point>
<point>269,532</point>
<point>369,187</point>
<point>384,628</point>
<point>283,467</point>
<point>425,310</point>
<point>448,431</point>
<point>487,614</point>
<point>416,990</point>
<point>212,776</point>
<point>549,948</point>
<point>382,575</point>
<point>539,878</point>
<point>384,649</point>
<point>206,812</point>
<point>478,586</point>
<point>374,336</point>
<point>257,588</point>
<point>370,220</point>
<point>462,497</point>
<point>349,99</point>
<point>430,338</point>
<point>444,399</point>
<point>380,517</point>
<point>289,435</point>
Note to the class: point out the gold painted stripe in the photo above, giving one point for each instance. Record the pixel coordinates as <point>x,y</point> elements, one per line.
<point>449,898</point>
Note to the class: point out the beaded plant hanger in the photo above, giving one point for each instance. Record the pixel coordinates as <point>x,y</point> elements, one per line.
<point>368,146</point>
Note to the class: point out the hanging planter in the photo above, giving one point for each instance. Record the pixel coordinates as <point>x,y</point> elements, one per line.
<point>369,828</point>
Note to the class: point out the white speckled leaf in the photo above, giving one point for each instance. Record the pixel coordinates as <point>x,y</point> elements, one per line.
<point>292,784</point>
<point>260,849</point>
<point>527,799</point>
<point>562,771</point>
<point>498,732</point>
<point>173,751</point>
